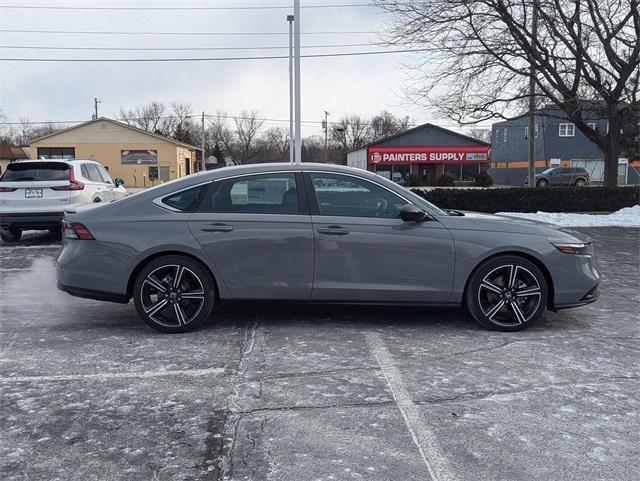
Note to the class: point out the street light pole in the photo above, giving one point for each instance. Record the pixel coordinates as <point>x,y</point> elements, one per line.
<point>290,19</point>
<point>202,165</point>
<point>325,124</point>
<point>298,108</point>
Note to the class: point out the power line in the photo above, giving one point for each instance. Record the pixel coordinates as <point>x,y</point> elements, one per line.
<point>273,47</point>
<point>215,59</point>
<point>241,7</point>
<point>107,32</point>
<point>220,116</point>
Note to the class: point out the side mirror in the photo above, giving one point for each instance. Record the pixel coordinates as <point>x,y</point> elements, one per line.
<point>411,213</point>
<point>118,181</point>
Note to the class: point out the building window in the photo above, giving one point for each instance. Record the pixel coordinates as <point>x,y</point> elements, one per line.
<point>566,130</point>
<point>464,172</point>
<point>526,132</point>
<point>592,125</point>
<point>504,134</point>
<point>56,152</point>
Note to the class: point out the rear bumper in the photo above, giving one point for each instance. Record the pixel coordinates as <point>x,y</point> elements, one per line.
<point>30,220</point>
<point>91,294</point>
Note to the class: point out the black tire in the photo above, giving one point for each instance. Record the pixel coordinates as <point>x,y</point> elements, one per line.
<point>11,235</point>
<point>580,182</point>
<point>176,313</point>
<point>500,301</point>
<point>542,183</point>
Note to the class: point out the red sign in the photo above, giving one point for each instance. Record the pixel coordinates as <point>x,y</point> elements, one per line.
<point>428,155</point>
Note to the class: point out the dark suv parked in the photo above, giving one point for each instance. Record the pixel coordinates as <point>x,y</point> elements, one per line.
<point>577,176</point>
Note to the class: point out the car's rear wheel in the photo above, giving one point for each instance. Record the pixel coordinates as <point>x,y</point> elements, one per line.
<point>10,235</point>
<point>542,183</point>
<point>174,294</point>
<point>581,183</point>
<point>507,293</point>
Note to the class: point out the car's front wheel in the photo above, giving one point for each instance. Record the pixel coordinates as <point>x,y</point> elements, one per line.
<point>507,293</point>
<point>174,294</point>
<point>581,183</point>
<point>542,183</point>
<point>10,235</point>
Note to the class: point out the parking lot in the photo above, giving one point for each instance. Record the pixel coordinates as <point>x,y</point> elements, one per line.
<point>282,392</point>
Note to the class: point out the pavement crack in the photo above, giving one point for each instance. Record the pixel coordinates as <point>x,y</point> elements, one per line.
<point>314,407</point>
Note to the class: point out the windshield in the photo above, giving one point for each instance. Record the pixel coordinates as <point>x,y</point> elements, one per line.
<point>35,171</point>
<point>547,171</point>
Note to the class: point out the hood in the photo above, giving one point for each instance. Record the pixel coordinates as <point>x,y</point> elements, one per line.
<point>517,225</point>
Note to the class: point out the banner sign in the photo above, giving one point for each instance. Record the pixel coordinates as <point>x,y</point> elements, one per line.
<point>428,155</point>
<point>140,157</point>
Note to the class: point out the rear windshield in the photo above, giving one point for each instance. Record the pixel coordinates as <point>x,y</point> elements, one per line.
<point>35,171</point>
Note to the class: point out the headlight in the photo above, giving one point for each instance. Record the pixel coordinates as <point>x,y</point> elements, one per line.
<point>578,248</point>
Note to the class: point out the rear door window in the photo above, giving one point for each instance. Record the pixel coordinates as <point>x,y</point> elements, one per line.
<point>36,172</point>
<point>274,193</point>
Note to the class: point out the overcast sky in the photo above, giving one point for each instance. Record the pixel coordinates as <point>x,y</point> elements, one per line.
<point>62,91</point>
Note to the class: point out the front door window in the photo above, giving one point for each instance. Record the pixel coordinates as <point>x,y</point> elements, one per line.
<point>345,196</point>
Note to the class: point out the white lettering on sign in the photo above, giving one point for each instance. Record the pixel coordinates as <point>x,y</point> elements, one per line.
<point>419,157</point>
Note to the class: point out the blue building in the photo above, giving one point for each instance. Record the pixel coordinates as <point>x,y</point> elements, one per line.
<point>558,142</point>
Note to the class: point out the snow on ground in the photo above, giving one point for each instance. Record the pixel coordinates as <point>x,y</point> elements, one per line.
<point>627,217</point>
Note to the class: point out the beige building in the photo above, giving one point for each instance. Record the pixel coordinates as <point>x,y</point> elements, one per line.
<point>140,158</point>
<point>9,153</point>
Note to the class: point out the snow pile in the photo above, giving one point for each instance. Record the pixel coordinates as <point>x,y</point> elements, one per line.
<point>627,217</point>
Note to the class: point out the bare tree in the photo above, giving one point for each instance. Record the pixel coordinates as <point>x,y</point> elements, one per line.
<point>247,128</point>
<point>149,117</point>
<point>385,124</point>
<point>277,142</point>
<point>585,55</point>
<point>351,132</point>
<point>221,134</point>
<point>479,133</point>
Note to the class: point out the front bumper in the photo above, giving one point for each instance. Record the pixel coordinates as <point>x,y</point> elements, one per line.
<point>30,220</point>
<point>592,296</point>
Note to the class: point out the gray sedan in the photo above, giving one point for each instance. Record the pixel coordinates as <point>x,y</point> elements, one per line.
<point>317,233</point>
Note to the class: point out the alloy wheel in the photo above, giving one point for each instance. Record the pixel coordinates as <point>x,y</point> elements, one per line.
<point>509,295</point>
<point>172,295</point>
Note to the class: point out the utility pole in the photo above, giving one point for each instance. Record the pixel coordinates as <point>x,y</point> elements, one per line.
<point>298,107</point>
<point>532,101</point>
<point>325,126</point>
<point>290,19</point>
<point>202,145</point>
<point>96,101</point>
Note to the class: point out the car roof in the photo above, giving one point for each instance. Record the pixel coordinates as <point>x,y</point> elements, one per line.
<point>66,161</point>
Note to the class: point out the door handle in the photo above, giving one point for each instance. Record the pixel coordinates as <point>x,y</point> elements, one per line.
<point>333,230</point>
<point>217,228</point>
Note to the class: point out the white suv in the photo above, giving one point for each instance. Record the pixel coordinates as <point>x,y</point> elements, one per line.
<point>35,193</point>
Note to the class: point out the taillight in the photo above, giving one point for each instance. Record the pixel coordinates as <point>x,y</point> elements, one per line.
<point>73,183</point>
<point>7,189</point>
<point>75,230</point>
